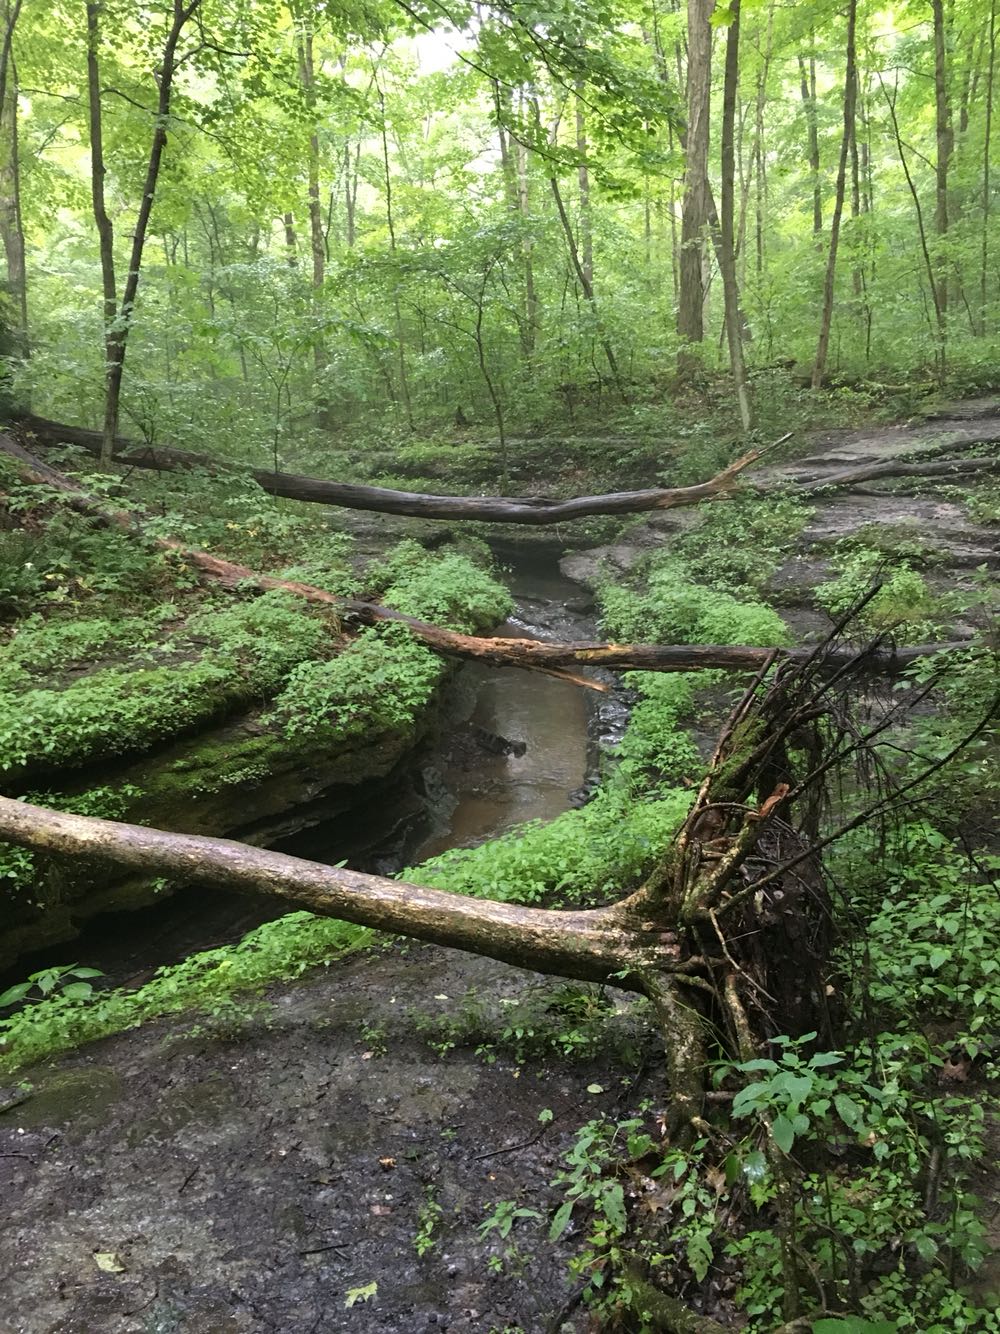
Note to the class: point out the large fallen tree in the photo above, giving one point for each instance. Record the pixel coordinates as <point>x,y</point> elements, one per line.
<point>560,659</point>
<point>525,510</point>
<point>729,936</point>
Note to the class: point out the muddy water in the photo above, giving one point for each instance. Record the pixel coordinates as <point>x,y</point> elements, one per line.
<point>512,746</point>
<point>463,787</point>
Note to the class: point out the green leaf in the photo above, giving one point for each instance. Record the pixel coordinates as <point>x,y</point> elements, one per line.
<point>784,1133</point>
<point>78,990</point>
<point>15,993</point>
<point>614,1208</point>
<point>560,1222</point>
<point>595,1088</point>
<point>363,1294</point>
<point>847,1109</point>
<point>700,1255</point>
<point>823,1058</point>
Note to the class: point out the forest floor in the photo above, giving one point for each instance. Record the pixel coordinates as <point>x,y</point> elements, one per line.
<point>279,1170</point>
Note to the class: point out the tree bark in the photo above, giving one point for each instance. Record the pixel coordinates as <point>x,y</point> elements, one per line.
<point>583,184</point>
<point>118,325</point>
<point>695,206</point>
<point>532,511</point>
<point>727,235</point>
<point>808,86</point>
<point>945,143</point>
<point>987,182</point>
<point>307,78</point>
<point>11,226</point>
<point>850,99</point>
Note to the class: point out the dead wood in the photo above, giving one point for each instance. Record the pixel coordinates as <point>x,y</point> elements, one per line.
<point>558,659</point>
<point>535,511</point>
<point>525,510</point>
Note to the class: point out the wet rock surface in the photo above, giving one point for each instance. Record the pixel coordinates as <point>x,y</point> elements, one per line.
<point>251,1174</point>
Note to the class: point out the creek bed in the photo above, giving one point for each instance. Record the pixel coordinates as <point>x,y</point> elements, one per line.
<point>468,782</point>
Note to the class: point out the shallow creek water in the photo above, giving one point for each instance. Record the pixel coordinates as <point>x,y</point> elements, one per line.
<point>461,787</point>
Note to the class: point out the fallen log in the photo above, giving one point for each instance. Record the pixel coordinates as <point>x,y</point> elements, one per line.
<point>527,510</point>
<point>556,659</point>
<point>532,511</point>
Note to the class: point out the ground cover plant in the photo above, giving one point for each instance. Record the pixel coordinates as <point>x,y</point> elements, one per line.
<point>263,262</point>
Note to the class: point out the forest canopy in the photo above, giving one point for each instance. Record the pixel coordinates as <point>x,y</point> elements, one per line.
<point>395,214</point>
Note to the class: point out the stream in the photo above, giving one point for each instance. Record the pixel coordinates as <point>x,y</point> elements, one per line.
<point>507,746</point>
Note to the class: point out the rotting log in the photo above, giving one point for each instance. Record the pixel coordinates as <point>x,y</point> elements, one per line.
<point>535,511</point>
<point>527,510</point>
<point>556,659</point>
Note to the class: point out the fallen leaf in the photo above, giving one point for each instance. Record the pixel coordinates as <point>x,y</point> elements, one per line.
<point>109,1261</point>
<point>364,1294</point>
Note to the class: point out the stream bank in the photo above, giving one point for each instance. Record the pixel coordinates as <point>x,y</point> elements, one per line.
<point>277,1164</point>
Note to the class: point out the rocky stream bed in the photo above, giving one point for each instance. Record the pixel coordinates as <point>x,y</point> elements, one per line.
<point>263,1173</point>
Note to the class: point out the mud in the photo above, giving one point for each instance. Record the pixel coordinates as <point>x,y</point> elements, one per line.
<point>249,1174</point>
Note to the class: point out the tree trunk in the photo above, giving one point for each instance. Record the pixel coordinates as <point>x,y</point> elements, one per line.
<point>583,184</point>
<point>530,318</point>
<point>307,78</point>
<point>727,238</point>
<point>117,327</point>
<point>11,226</point>
<point>587,288</point>
<point>808,87</point>
<point>945,144</point>
<point>987,182</point>
<point>531,511</point>
<point>291,240</point>
<point>850,98</point>
<point>695,207</point>
<point>940,318</point>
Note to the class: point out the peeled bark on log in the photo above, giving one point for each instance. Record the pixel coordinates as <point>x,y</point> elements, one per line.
<point>531,654</point>
<point>592,945</point>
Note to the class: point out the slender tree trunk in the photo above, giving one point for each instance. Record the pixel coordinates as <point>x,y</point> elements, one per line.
<point>945,144</point>
<point>939,313</point>
<point>307,78</point>
<point>117,330</point>
<point>987,181</point>
<point>105,231</point>
<point>808,87</point>
<point>527,258</point>
<point>727,237</point>
<point>695,207</point>
<point>11,226</point>
<point>586,287</point>
<point>583,184</point>
<point>404,384</point>
<point>850,100</point>
<point>291,240</point>
<point>759,156</point>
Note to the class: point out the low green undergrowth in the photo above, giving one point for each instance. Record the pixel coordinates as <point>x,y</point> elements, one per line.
<point>583,856</point>
<point>672,609</point>
<point>205,982</point>
<point>231,655</point>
